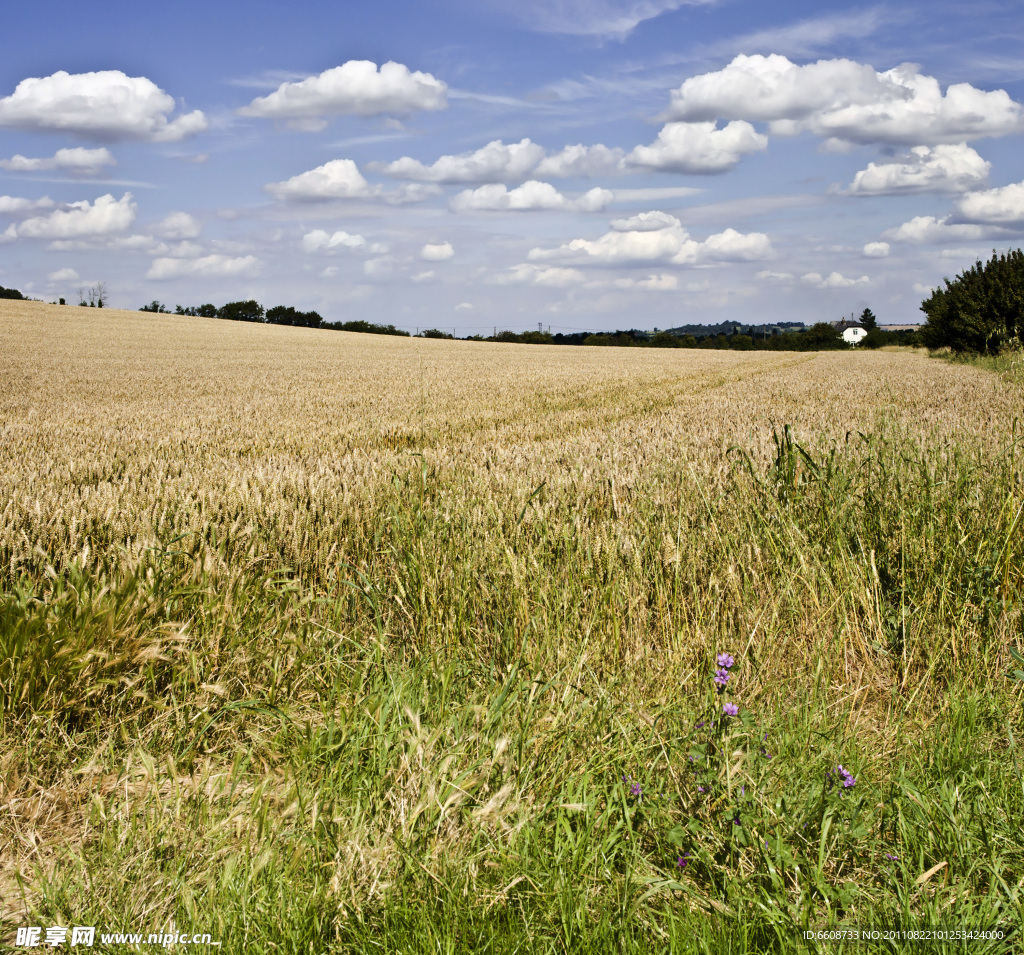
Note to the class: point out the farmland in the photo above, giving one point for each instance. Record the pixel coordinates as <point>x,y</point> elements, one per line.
<point>320,641</point>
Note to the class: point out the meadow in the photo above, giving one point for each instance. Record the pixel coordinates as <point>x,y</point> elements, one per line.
<point>317,641</point>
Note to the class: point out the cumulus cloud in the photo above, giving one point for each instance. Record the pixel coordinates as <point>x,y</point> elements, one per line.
<point>424,276</point>
<point>105,106</point>
<point>437,252</point>
<point>670,243</point>
<point>337,179</point>
<point>846,101</point>
<point>1003,206</point>
<point>645,222</point>
<point>944,168</point>
<point>583,161</point>
<point>832,280</point>
<point>78,161</point>
<point>78,219</point>
<point>876,250</point>
<point>699,147</point>
<point>531,196</point>
<point>341,179</point>
<point>215,265</point>
<point>14,206</point>
<point>929,230</point>
<point>549,276</point>
<point>63,275</point>
<point>494,162</point>
<point>356,88</point>
<point>178,225</point>
<point>320,241</point>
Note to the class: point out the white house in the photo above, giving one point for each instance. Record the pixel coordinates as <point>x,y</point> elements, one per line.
<point>854,334</point>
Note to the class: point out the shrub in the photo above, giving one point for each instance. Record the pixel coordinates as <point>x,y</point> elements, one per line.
<point>981,310</point>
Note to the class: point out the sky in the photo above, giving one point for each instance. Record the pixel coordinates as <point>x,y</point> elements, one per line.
<point>473,165</point>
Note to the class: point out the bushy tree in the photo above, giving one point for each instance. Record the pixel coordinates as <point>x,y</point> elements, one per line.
<point>287,315</point>
<point>10,293</point>
<point>249,311</point>
<point>981,310</point>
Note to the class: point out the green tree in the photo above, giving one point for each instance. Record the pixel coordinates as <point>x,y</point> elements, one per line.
<point>249,311</point>
<point>981,310</point>
<point>868,320</point>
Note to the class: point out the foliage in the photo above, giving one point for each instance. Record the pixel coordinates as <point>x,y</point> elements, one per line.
<point>155,306</point>
<point>868,320</point>
<point>287,315</point>
<point>11,293</point>
<point>248,311</point>
<point>435,333</point>
<point>368,328</point>
<point>980,311</point>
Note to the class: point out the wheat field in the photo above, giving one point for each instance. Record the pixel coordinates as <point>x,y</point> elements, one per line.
<point>321,641</point>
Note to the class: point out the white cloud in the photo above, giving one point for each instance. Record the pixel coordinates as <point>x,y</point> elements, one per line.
<point>78,219</point>
<point>337,179</point>
<point>1001,206</point>
<point>437,252</point>
<point>922,289</point>
<point>928,230</point>
<point>78,161</point>
<point>464,307</point>
<point>847,101</point>
<point>645,222</point>
<point>320,241</point>
<point>653,283</point>
<point>944,168</point>
<point>494,162</point>
<point>379,268</point>
<point>832,280</point>
<point>549,276</point>
<point>531,196</point>
<point>63,275</point>
<point>671,243</point>
<point>424,276</point>
<point>580,160</point>
<point>107,105</point>
<point>13,206</point>
<point>356,88</point>
<point>600,18</point>
<point>206,266</point>
<point>178,225</point>
<point>776,278</point>
<point>699,147</point>
<point>876,250</point>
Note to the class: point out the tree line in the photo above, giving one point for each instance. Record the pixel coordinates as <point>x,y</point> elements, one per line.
<point>786,336</point>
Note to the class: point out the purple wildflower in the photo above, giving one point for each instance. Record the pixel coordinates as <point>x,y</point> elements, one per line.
<point>892,858</point>
<point>848,779</point>
<point>730,709</point>
<point>701,789</point>
<point>721,676</point>
<point>683,860</point>
<point>725,660</point>
<point>636,790</point>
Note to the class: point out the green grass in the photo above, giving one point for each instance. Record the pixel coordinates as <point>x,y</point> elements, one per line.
<point>427,742</point>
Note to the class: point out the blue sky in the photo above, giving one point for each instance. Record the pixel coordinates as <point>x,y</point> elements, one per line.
<point>582,164</point>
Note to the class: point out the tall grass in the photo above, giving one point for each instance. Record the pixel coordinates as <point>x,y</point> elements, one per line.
<point>465,702</point>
